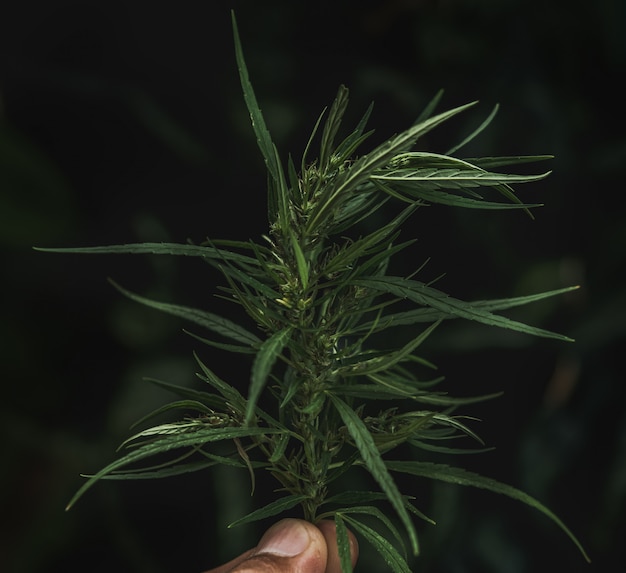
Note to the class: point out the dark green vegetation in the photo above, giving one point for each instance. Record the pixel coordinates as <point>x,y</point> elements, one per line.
<point>320,302</point>
<point>90,158</point>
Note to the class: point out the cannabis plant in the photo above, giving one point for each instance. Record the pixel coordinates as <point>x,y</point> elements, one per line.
<point>327,395</point>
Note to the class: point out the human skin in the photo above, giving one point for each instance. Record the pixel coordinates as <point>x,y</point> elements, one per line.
<point>293,546</point>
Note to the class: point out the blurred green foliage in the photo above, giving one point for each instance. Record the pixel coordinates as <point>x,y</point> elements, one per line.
<point>126,124</point>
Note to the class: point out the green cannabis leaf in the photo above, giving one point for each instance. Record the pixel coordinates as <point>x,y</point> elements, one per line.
<point>320,302</point>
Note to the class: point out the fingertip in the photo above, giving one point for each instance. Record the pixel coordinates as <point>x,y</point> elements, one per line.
<point>287,538</point>
<point>294,545</point>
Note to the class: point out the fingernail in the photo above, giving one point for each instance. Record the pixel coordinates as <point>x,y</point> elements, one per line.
<point>287,538</point>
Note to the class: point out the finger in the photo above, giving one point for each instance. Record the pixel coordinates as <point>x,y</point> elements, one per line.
<point>333,563</point>
<point>289,545</point>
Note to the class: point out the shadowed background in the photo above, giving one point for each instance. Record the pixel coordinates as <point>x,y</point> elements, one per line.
<point>124,122</point>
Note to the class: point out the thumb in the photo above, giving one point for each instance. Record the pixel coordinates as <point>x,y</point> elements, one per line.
<point>291,545</point>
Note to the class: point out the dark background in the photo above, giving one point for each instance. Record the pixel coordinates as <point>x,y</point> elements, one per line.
<point>124,122</point>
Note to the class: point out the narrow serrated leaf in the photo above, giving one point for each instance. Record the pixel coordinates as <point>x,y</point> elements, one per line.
<point>245,278</point>
<point>164,472</point>
<point>454,178</point>
<point>279,450</point>
<point>264,140</point>
<point>375,464</point>
<point>354,497</point>
<point>420,315</point>
<point>442,198</point>
<point>491,162</point>
<point>213,322</point>
<point>343,545</point>
<point>331,127</point>
<point>194,405</point>
<point>362,246</point>
<point>303,266</point>
<point>364,167</point>
<point>234,348</point>
<point>389,359</point>
<point>166,444</point>
<point>210,400</point>
<point>175,249</point>
<point>270,510</point>
<point>430,107</point>
<point>376,513</point>
<point>442,472</point>
<point>472,135</point>
<point>229,392</point>
<point>423,294</point>
<point>387,551</point>
<point>263,362</point>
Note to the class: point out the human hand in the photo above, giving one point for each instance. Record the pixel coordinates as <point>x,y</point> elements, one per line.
<point>293,546</point>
